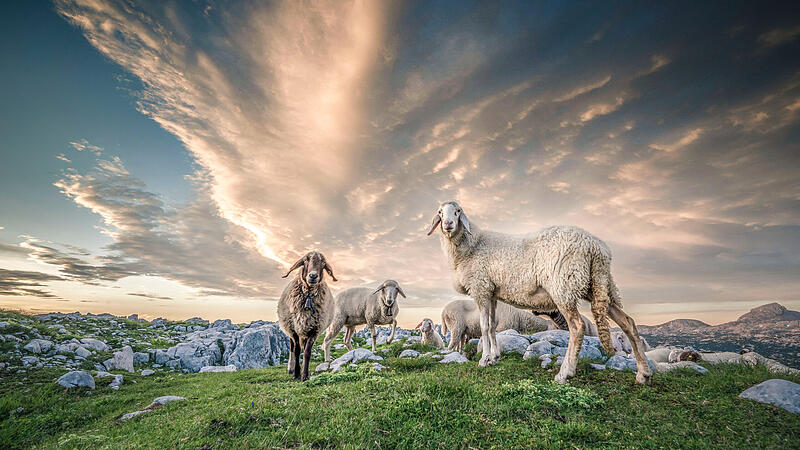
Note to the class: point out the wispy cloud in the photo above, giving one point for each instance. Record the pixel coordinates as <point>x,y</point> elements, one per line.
<point>26,283</point>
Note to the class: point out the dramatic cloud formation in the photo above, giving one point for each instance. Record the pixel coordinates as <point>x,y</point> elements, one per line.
<point>20,282</point>
<point>340,126</point>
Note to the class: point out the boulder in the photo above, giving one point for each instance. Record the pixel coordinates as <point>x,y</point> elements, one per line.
<point>147,372</point>
<point>82,352</point>
<point>454,357</point>
<point>77,378</point>
<point>254,348</point>
<point>537,349</point>
<point>133,317</point>
<point>38,346</point>
<point>140,358</point>
<point>94,344</point>
<point>619,362</point>
<point>559,338</point>
<point>224,324</point>
<point>590,352</point>
<point>509,341</point>
<point>353,356</point>
<point>408,353</point>
<point>781,393</point>
<point>228,368</point>
<point>123,360</point>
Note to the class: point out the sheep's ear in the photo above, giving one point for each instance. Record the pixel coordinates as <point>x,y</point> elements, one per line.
<point>463,218</point>
<point>400,291</point>
<point>437,219</point>
<point>419,325</point>
<point>380,288</point>
<point>295,266</point>
<point>328,269</point>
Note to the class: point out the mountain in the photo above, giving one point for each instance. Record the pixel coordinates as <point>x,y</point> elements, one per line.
<point>771,312</point>
<point>675,326</point>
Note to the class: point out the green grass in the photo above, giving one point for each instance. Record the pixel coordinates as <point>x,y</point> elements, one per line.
<point>417,403</point>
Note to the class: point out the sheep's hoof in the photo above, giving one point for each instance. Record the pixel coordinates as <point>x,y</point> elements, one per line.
<point>561,378</point>
<point>643,378</point>
<point>484,362</point>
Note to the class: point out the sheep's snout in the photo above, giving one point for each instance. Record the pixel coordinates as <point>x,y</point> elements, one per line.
<point>312,277</point>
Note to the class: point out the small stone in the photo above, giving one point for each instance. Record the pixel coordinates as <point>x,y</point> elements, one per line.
<point>409,353</point>
<point>147,372</point>
<point>216,369</point>
<point>454,358</point>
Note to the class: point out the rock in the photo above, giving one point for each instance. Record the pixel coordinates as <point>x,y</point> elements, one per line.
<point>140,358</point>
<point>537,349</point>
<point>781,393</point>
<point>559,338</point>
<point>94,344</point>
<point>341,346</point>
<point>102,374</point>
<point>116,382</point>
<point>454,357</point>
<point>82,352</point>
<point>197,320</point>
<point>619,362</point>
<point>228,368</point>
<point>321,367</point>
<point>255,348</point>
<point>147,372</point>
<point>156,403</point>
<point>509,342</point>
<point>123,360</point>
<point>590,352</point>
<point>133,317</point>
<point>195,363</point>
<point>38,346</point>
<point>598,366</point>
<point>408,353</point>
<point>77,378</point>
<point>546,360</point>
<point>161,356</point>
<point>109,364</point>
<point>224,324</point>
<point>353,356</point>
<point>29,360</point>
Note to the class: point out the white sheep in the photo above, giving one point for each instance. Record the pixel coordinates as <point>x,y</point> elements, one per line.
<point>429,334</point>
<point>305,309</point>
<point>553,269</point>
<point>462,318</point>
<point>358,306</point>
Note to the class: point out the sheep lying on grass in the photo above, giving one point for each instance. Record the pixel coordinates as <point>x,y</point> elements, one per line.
<point>462,318</point>
<point>305,309</point>
<point>552,270</point>
<point>358,306</point>
<point>429,334</point>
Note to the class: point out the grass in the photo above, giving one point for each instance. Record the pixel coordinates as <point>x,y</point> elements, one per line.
<point>417,403</point>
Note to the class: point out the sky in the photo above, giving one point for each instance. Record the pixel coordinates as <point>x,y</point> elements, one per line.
<point>173,158</point>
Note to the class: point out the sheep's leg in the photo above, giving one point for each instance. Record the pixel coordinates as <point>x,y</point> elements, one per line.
<point>296,353</point>
<point>628,326</point>
<point>291,355</point>
<point>391,335</point>
<point>575,324</point>
<point>486,358</point>
<point>348,337</point>
<point>309,344</point>
<point>333,331</point>
<point>372,334</point>
<point>493,330</point>
<point>462,342</point>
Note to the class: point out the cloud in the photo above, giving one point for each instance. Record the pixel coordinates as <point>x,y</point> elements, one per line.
<point>26,283</point>
<point>779,36</point>
<point>149,296</point>
<point>341,127</point>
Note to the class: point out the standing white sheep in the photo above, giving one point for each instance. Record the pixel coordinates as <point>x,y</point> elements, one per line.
<point>554,269</point>
<point>429,334</point>
<point>358,306</point>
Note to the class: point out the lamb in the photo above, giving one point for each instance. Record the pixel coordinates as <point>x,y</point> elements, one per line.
<point>549,271</point>
<point>429,334</point>
<point>305,309</point>
<point>358,306</point>
<point>462,318</point>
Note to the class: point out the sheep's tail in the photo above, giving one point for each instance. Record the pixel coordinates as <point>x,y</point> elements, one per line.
<point>444,324</point>
<point>604,293</point>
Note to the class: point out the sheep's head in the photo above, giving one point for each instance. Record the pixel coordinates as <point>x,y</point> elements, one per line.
<point>314,267</point>
<point>388,294</point>
<point>452,220</point>
<point>426,325</point>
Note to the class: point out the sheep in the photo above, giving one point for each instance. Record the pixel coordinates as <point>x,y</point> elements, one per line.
<point>429,334</point>
<point>623,344</point>
<point>462,318</point>
<point>357,306</point>
<point>305,309</point>
<point>549,271</point>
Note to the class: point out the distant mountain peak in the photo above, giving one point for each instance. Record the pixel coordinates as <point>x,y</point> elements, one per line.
<point>769,312</point>
<point>681,324</point>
